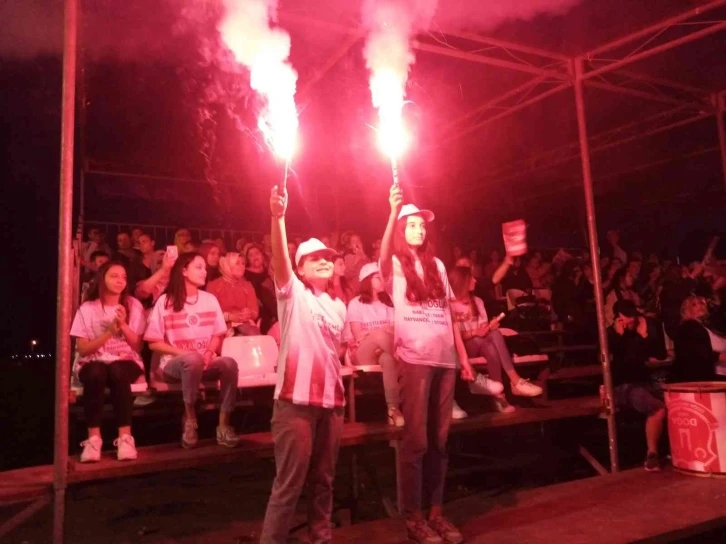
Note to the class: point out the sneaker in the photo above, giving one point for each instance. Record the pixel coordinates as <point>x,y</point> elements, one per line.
<point>126,447</point>
<point>447,531</point>
<point>395,417</point>
<point>189,433</point>
<point>502,405</point>
<point>458,413</point>
<point>483,385</point>
<point>525,388</point>
<point>652,462</point>
<point>421,533</point>
<point>91,450</point>
<point>227,437</point>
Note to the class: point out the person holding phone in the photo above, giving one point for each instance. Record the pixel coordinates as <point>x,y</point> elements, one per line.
<point>428,348</point>
<point>307,419</point>
<point>108,328</point>
<point>186,327</point>
<point>483,338</point>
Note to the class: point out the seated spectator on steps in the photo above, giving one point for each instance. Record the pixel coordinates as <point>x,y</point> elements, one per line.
<point>108,328</point>
<point>210,253</point>
<point>630,349</point>
<point>621,289</point>
<point>339,287</point>
<point>124,244</point>
<point>355,258</point>
<point>517,278</point>
<point>483,339</point>
<point>257,274</point>
<point>96,260</point>
<point>152,257</point>
<point>186,328</point>
<point>700,352</point>
<point>95,243</point>
<point>538,271</point>
<point>181,238</point>
<point>370,326</point>
<point>236,296</point>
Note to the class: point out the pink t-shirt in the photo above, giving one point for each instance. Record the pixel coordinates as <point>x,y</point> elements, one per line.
<point>423,332</point>
<point>191,329</point>
<point>308,368</point>
<point>370,317</point>
<point>463,314</point>
<point>93,319</point>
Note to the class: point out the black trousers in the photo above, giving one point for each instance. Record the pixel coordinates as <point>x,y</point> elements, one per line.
<point>118,376</point>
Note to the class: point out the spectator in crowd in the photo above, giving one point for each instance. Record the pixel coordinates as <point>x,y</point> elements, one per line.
<point>495,261</point>
<point>108,328</point>
<point>700,352</point>
<point>149,290</point>
<point>221,245</point>
<point>370,341</point>
<point>151,257</point>
<point>355,258</point>
<point>630,349</point>
<point>517,278</point>
<point>267,246</point>
<point>613,265</point>
<point>568,295</point>
<point>538,271</point>
<point>339,283</point>
<point>613,249</point>
<point>485,285</point>
<point>483,339</point>
<point>291,250</point>
<point>136,232</point>
<point>621,289</point>
<point>191,247</point>
<point>95,242</point>
<point>210,252</point>
<point>236,296</point>
<point>181,238</point>
<point>96,260</point>
<point>257,274</point>
<point>186,327</point>
<point>240,245</point>
<point>678,285</point>
<point>427,344</point>
<point>376,253</point>
<point>649,290</point>
<point>124,244</point>
<point>307,420</point>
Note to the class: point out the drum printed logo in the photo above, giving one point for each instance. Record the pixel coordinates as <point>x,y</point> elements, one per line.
<point>692,426</point>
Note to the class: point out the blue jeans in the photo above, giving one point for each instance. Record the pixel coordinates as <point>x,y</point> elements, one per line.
<point>189,370</point>
<point>493,348</point>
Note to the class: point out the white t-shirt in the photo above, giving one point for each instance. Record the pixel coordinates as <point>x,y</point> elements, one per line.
<point>190,329</point>
<point>463,314</point>
<point>423,331</point>
<point>370,317</point>
<point>308,368</point>
<point>93,319</point>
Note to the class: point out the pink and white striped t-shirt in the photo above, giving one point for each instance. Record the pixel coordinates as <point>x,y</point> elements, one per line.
<point>191,329</point>
<point>308,368</point>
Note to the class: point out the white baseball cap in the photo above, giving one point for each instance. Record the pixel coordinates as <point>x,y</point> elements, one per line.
<point>412,209</point>
<point>313,246</point>
<point>368,269</point>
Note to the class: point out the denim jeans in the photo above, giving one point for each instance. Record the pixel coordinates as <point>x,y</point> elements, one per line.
<point>306,441</point>
<point>427,395</point>
<point>493,348</point>
<point>189,370</point>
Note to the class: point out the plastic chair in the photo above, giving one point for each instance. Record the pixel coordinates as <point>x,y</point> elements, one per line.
<point>256,358</point>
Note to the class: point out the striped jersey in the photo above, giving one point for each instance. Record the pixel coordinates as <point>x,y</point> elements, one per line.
<point>308,368</point>
<point>191,329</point>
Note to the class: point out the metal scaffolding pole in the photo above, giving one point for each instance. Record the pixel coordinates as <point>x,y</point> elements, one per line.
<point>720,110</point>
<point>65,272</point>
<point>595,258</point>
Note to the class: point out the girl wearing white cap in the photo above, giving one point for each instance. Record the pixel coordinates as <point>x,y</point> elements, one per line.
<point>370,320</point>
<point>307,420</point>
<point>427,348</point>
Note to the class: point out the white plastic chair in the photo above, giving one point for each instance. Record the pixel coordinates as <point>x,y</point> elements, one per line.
<point>256,358</point>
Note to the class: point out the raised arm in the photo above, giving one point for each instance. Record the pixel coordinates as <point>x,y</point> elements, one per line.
<point>281,264</point>
<point>395,198</point>
<point>502,270</point>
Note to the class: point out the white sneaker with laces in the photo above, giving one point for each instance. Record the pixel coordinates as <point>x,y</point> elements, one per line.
<point>126,447</point>
<point>395,417</point>
<point>91,449</point>
<point>458,413</point>
<point>502,405</point>
<point>483,385</point>
<point>525,388</point>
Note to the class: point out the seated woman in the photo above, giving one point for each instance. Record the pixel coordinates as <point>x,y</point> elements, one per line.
<point>339,286</point>
<point>108,329</point>
<point>257,274</point>
<point>622,289</point>
<point>355,258</point>
<point>482,339</point>
<point>700,353</point>
<point>186,327</point>
<point>210,252</point>
<point>236,296</point>
<point>370,322</point>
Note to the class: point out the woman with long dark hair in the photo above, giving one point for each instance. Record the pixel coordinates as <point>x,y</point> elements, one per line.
<point>427,346</point>
<point>483,339</point>
<point>211,254</point>
<point>307,420</point>
<point>622,289</point>
<point>339,286</point>
<point>186,327</point>
<point>108,329</point>
<point>370,321</point>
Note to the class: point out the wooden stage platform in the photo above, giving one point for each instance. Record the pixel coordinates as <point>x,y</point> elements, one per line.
<point>631,506</point>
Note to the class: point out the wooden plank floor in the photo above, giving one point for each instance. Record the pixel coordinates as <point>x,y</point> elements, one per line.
<point>624,507</point>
